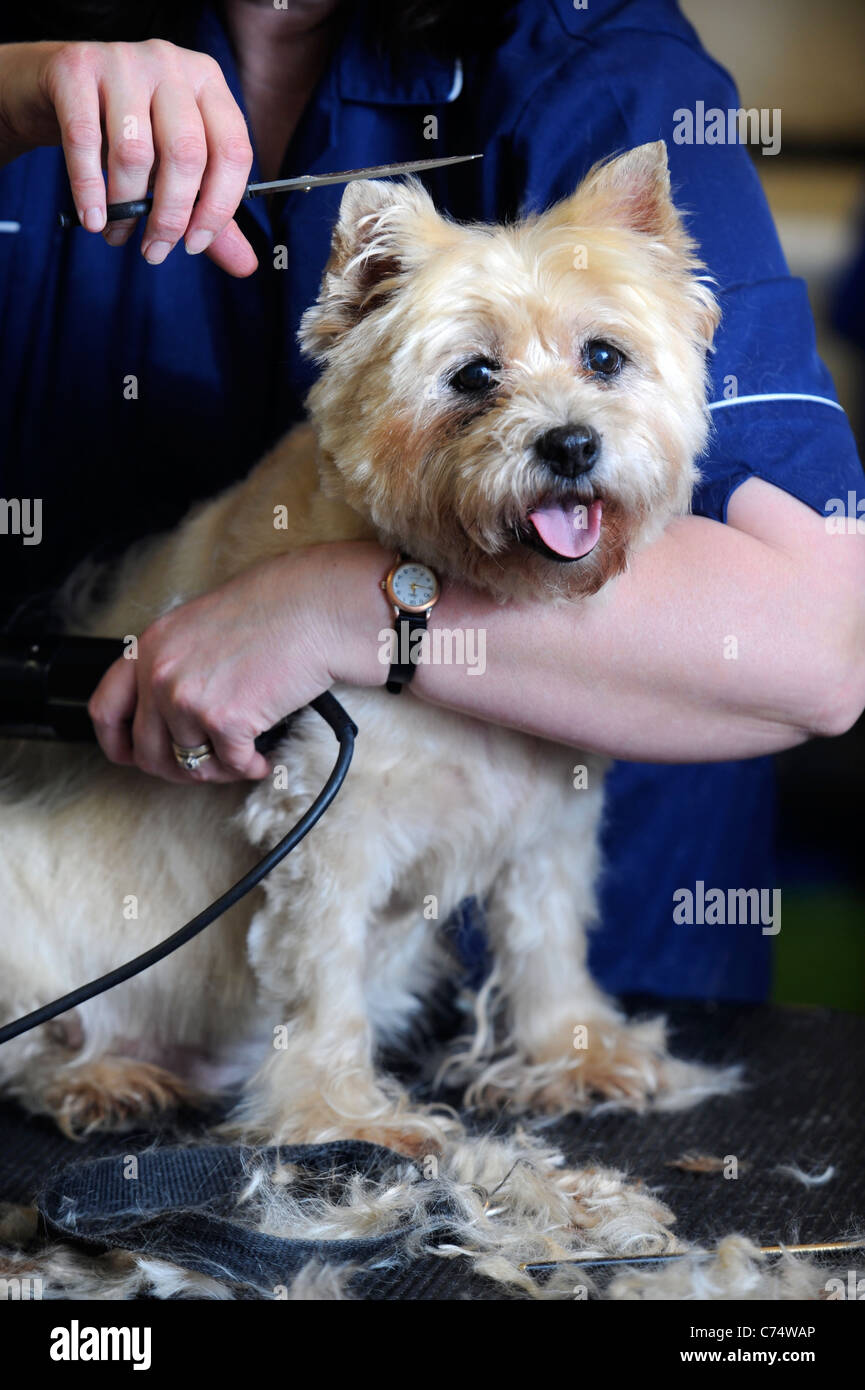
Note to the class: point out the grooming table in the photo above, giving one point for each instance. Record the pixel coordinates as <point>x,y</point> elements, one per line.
<point>802,1106</point>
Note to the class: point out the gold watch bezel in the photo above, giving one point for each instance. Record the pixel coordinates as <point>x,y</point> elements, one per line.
<point>410,607</point>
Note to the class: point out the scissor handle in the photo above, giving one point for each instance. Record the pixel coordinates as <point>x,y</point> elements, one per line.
<point>115,212</point>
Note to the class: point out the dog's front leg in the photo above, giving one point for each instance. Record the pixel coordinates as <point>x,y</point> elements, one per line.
<point>313,951</point>
<point>561,1042</point>
<point>319,1082</point>
<point>548,1038</point>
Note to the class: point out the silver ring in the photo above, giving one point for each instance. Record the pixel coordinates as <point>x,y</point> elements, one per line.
<point>190,759</point>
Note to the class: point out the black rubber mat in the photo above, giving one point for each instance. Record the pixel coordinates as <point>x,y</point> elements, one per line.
<point>801,1106</point>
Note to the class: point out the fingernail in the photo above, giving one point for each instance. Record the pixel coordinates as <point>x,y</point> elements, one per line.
<point>156,251</point>
<point>198,241</point>
<point>93,219</point>
<point>116,236</point>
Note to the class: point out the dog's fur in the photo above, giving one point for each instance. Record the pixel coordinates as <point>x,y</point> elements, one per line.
<point>496,1204</point>
<point>336,947</point>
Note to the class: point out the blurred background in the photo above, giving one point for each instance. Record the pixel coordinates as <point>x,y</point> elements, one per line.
<point>809,61</point>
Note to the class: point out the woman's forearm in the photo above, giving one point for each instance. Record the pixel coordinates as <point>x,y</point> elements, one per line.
<point>721,641</point>
<point>715,644</point>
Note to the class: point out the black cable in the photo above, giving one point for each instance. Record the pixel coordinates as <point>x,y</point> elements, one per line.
<point>345,730</point>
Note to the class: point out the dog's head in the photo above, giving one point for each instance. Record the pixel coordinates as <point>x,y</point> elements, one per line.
<point>518,405</point>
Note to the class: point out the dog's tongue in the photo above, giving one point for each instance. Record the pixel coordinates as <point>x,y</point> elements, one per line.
<point>568,530</point>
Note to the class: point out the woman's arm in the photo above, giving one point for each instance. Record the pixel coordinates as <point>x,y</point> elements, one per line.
<point>721,641</point>
<point>648,674</point>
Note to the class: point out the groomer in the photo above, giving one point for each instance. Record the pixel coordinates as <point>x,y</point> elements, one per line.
<point>145,366</point>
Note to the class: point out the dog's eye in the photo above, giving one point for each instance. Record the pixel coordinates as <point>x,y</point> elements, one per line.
<point>477,375</point>
<point>602,358</point>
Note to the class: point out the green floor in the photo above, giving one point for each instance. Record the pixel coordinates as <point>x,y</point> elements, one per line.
<point>820,950</point>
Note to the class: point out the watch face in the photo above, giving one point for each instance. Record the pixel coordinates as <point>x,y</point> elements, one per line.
<point>414,586</point>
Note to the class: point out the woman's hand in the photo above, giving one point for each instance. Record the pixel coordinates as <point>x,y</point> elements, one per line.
<point>149,111</point>
<point>229,665</point>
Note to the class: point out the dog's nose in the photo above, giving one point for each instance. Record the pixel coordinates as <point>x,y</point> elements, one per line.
<point>569,450</point>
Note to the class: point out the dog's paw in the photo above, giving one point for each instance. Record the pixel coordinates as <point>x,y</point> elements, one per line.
<point>402,1138</point>
<point>114,1093</point>
<point>626,1065</point>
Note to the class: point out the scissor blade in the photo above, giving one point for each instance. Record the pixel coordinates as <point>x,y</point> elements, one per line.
<point>375,171</point>
<point>117,212</point>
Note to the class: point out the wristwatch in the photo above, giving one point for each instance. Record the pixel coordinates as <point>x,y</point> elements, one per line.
<point>413,590</point>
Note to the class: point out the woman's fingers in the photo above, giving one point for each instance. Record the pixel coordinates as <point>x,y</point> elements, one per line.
<point>73,87</point>
<point>232,252</point>
<point>222,668</point>
<point>184,730</point>
<point>152,735</point>
<point>229,160</point>
<point>130,149</point>
<point>181,151</point>
<point>237,754</point>
<point>132,732</point>
<point>153,113</point>
<point>176,707</point>
<point>187,729</point>
<point>111,708</point>
<point>151,742</point>
<point>191,722</point>
<point>137,724</point>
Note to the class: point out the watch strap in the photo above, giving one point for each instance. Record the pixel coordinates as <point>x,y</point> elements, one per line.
<point>401,672</point>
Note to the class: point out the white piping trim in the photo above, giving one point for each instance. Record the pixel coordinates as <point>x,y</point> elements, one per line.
<point>10,226</point>
<point>457,84</point>
<point>777,396</point>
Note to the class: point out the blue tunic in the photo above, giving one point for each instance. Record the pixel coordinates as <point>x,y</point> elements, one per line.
<point>218,375</point>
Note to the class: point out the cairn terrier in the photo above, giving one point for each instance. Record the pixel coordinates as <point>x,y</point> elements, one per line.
<point>519,407</point>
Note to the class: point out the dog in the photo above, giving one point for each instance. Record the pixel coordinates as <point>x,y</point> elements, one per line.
<point>520,407</point>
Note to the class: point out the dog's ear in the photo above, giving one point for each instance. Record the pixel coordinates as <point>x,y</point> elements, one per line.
<point>382,232</point>
<point>631,191</point>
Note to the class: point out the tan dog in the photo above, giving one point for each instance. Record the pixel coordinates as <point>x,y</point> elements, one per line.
<point>518,407</point>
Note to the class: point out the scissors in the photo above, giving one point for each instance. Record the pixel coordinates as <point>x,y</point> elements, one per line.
<point>119,212</point>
